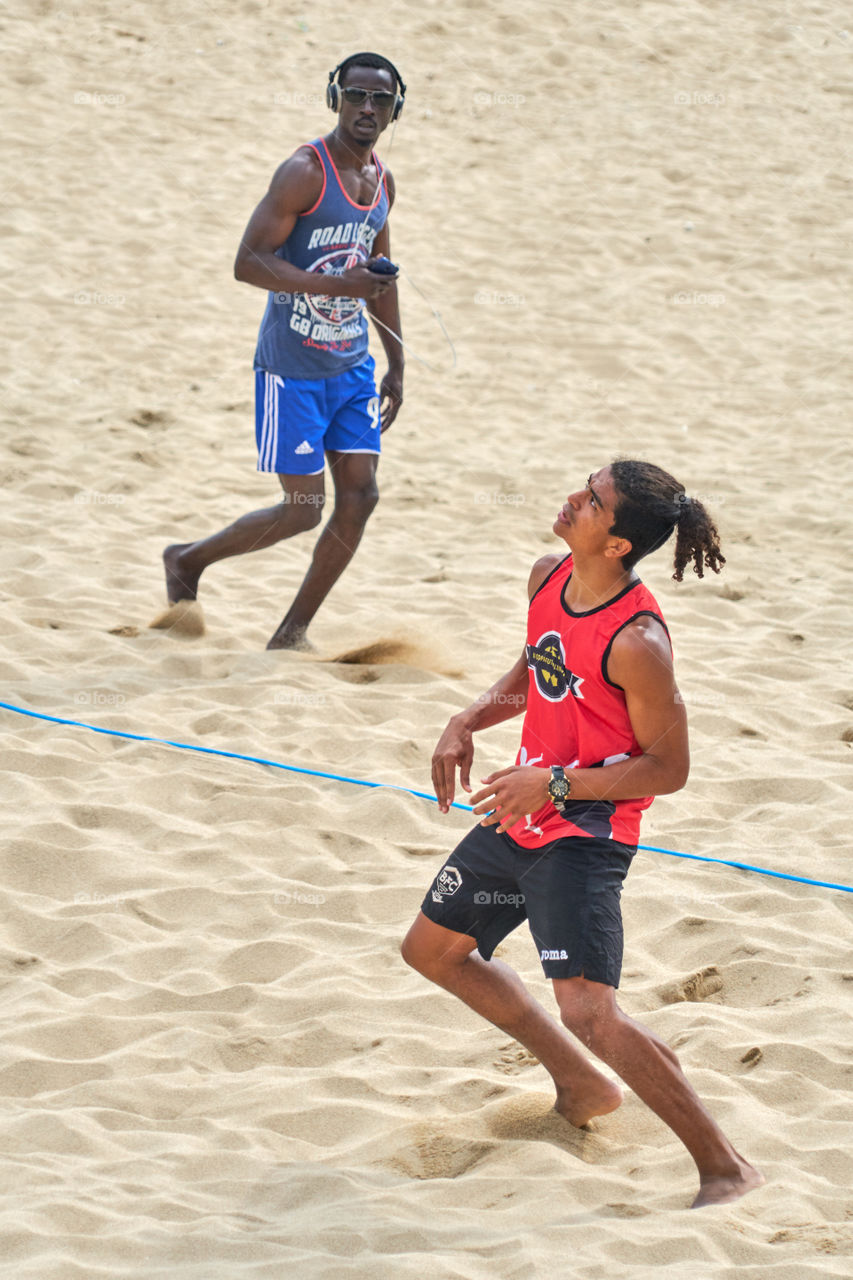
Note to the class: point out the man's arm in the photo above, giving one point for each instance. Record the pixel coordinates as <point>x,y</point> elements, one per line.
<point>295,188</point>
<point>641,663</point>
<point>506,698</point>
<point>385,308</point>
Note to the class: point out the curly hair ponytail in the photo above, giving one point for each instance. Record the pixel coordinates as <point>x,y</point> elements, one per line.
<point>650,505</point>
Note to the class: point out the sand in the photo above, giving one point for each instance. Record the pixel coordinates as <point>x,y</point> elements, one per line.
<point>634,221</point>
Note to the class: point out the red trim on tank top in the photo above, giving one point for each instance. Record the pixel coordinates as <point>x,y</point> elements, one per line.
<point>316,206</point>
<point>344,191</point>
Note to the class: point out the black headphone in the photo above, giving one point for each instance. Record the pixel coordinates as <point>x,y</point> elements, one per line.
<point>333,90</point>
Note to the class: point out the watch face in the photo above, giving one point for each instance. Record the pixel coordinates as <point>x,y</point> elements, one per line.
<point>559,788</point>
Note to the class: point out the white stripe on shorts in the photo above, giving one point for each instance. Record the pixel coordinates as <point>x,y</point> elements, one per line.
<point>262,445</point>
<point>269,440</point>
<point>269,393</point>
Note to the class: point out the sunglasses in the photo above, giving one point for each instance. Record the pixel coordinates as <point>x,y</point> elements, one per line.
<point>381,98</point>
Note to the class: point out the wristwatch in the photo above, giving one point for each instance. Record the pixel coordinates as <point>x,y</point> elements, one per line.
<point>559,788</point>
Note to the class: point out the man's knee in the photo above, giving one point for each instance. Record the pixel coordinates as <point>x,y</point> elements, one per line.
<point>355,504</point>
<point>305,510</point>
<point>433,951</point>
<point>418,956</point>
<point>587,1009</point>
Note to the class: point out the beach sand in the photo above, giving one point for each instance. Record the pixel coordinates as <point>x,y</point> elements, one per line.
<point>634,222</point>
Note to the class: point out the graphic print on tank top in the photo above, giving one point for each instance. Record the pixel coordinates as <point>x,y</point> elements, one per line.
<point>576,717</point>
<point>313,335</point>
<point>547,660</point>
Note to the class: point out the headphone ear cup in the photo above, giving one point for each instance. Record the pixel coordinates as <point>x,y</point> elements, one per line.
<point>333,97</point>
<point>398,108</point>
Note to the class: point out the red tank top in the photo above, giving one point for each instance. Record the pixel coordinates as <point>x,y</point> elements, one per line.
<point>575,715</point>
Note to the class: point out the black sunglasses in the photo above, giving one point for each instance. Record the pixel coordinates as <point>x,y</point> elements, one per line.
<point>379,97</point>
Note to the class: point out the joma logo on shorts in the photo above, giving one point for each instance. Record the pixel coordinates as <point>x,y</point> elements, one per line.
<point>553,955</point>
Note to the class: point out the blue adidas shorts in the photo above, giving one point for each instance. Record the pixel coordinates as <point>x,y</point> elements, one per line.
<point>298,419</point>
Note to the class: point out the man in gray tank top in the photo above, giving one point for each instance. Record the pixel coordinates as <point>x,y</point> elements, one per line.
<point>325,214</point>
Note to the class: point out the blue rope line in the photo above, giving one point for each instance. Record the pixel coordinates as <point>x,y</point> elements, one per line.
<point>390,786</point>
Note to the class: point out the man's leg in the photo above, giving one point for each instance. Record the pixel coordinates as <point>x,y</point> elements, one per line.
<point>301,508</point>
<point>496,992</point>
<point>651,1069</point>
<point>356,495</point>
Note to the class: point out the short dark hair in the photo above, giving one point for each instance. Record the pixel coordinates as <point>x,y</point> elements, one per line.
<point>650,505</point>
<point>370,60</point>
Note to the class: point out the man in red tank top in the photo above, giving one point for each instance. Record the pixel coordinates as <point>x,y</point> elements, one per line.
<point>604,732</point>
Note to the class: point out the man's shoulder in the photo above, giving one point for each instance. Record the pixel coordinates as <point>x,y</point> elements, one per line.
<point>542,569</point>
<point>305,158</point>
<point>641,647</point>
<point>297,183</point>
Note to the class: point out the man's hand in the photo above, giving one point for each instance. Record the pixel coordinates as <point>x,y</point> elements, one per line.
<point>455,748</point>
<point>510,794</point>
<point>358,282</point>
<point>390,396</point>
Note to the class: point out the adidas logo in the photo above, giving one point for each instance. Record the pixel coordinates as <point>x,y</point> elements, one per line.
<point>304,447</point>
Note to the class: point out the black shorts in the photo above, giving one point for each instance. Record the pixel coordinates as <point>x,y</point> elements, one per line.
<point>568,891</point>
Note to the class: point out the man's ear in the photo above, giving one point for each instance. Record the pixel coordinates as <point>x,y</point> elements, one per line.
<point>618,547</point>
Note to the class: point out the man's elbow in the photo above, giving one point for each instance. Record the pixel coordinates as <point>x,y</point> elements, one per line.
<point>676,777</point>
<point>243,264</point>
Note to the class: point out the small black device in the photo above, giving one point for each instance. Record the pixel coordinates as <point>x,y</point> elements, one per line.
<point>382,266</point>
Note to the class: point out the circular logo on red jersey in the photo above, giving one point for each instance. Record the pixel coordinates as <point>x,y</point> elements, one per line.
<point>547,658</point>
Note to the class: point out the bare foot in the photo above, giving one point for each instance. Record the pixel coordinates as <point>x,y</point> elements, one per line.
<point>294,638</point>
<point>602,1098</point>
<point>722,1190</point>
<point>181,584</point>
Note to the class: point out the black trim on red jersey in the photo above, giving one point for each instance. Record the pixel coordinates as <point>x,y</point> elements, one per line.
<point>642,613</point>
<point>587,613</point>
<point>548,578</point>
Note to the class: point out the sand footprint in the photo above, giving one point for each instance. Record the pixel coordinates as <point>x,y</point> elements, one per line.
<point>432,1154</point>
<point>184,618</point>
<point>531,1117</point>
<point>514,1058</point>
<point>697,986</point>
